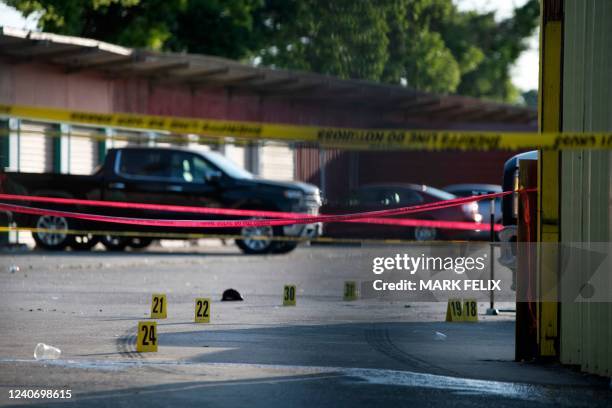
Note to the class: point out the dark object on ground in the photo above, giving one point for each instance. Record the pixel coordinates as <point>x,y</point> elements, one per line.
<point>231,295</point>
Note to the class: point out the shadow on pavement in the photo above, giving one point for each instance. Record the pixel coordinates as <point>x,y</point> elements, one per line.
<point>134,254</point>
<point>480,351</point>
<point>315,390</point>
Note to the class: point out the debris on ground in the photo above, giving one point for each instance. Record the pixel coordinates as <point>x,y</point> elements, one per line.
<point>440,336</point>
<point>231,295</point>
<point>43,351</point>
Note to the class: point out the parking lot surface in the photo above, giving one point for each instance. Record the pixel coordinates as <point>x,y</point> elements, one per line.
<point>322,352</point>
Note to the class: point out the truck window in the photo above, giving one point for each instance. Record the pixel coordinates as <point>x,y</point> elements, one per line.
<point>166,164</point>
<point>189,167</point>
<point>410,197</point>
<point>145,163</point>
<point>397,197</point>
<point>365,196</point>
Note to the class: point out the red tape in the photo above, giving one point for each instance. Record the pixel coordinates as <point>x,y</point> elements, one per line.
<point>152,207</point>
<point>459,225</point>
<point>243,213</point>
<point>440,224</point>
<point>282,218</point>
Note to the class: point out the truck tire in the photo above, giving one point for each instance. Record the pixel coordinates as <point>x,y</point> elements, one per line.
<point>284,247</point>
<point>57,237</point>
<point>256,246</point>
<point>424,234</point>
<point>84,242</point>
<point>115,243</point>
<point>140,242</point>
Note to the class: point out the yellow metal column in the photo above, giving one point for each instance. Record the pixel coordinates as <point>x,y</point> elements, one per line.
<point>550,101</point>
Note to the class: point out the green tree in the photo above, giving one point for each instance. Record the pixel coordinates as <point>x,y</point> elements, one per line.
<point>419,56</point>
<point>345,38</point>
<point>424,44</point>
<point>530,98</point>
<point>501,43</point>
<point>381,41</point>
<point>430,45</point>
<point>217,27</point>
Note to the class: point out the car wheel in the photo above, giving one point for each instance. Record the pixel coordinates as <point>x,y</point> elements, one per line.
<point>84,242</point>
<point>140,243</point>
<point>256,245</point>
<point>55,232</point>
<point>115,243</point>
<point>425,234</point>
<point>284,247</point>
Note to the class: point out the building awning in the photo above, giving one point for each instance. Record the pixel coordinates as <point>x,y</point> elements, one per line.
<point>76,54</point>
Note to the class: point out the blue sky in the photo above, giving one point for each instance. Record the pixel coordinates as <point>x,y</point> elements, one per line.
<point>524,73</point>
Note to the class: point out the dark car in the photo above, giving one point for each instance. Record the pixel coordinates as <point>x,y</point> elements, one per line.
<point>510,182</point>
<point>387,196</point>
<point>484,206</point>
<point>510,204</point>
<point>172,176</point>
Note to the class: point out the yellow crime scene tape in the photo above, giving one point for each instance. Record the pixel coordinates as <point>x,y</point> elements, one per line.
<point>179,235</point>
<point>328,136</point>
<point>100,136</point>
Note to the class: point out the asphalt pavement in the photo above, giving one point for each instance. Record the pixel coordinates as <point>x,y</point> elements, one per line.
<point>375,351</point>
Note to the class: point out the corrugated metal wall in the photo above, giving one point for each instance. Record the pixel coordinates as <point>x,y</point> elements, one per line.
<point>437,169</point>
<point>35,149</point>
<point>78,150</point>
<point>308,164</point>
<point>31,150</point>
<point>586,186</point>
<point>235,153</point>
<point>83,150</point>
<point>118,138</point>
<point>276,161</point>
<point>329,169</point>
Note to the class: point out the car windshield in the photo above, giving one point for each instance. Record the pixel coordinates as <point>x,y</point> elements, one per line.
<point>441,194</point>
<point>468,193</point>
<point>227,166</point>
<point>473,190</point>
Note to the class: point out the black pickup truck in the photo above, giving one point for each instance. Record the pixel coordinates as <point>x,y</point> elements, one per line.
<point>176,176</point>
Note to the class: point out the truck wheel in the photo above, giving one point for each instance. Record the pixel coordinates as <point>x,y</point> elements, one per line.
<point>284,247</point>
<point>425,234</point>
<point>254,246</point>
<point>115,243</point>
<point>84,242</point>
<point>140,243</point>
<point>55,236</point>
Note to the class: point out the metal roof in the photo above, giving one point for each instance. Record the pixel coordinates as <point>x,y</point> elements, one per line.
<point>76,54</point>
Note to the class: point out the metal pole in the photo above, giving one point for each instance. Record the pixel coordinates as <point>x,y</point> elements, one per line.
<point>491,310</point>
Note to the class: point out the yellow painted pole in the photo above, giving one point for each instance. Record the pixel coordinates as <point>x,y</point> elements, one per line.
<point>550,104</point>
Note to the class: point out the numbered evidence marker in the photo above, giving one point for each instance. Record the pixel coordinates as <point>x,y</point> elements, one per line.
<point>350,290</point>
<point>470,310</point>
<point>202,310</point>
<point>289,295</point>
<point>454,311</point>
<point>146,341</point>
<point>158,306</point>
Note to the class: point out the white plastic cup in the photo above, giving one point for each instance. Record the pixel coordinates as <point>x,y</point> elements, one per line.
<point>439,336</point>
<point>45,352</point>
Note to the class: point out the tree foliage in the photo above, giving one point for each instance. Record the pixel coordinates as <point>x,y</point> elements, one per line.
<point>424,44</point>
<point>216,27</point>
<point>345,38</point>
